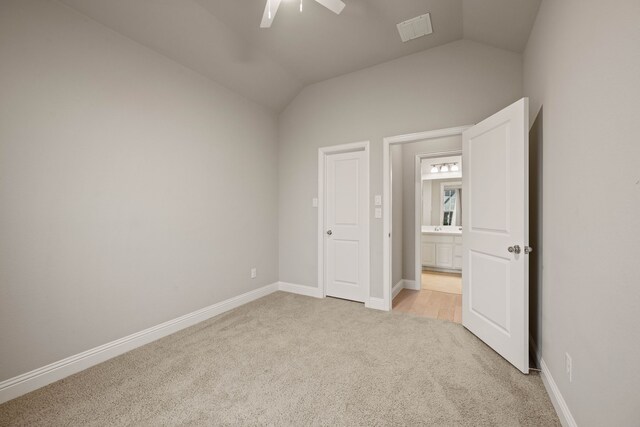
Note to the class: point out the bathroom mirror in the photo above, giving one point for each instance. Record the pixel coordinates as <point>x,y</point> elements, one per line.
<point>442,192</point>
<point>451,203</point>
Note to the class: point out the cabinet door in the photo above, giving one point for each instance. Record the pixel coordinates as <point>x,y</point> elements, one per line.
<point>457,263</point>
<point>429,254</point>
<point>457,250</point>
<point>444,255</point>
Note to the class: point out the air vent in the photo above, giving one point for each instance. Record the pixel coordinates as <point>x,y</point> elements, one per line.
<point>415,27</point>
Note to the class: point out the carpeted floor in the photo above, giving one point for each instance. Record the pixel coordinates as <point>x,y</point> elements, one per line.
<point>292,360</point>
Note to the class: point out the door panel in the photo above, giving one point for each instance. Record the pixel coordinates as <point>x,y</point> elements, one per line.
<point>346,191</point>
<point>495,285</point>
<point>489,295</point>
<point>491,174</point>
<point>345,258</point>
<point>346,223</point>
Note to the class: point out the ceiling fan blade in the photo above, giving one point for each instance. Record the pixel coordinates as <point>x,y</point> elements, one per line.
<point>270,10</point>
<point>335,6</point>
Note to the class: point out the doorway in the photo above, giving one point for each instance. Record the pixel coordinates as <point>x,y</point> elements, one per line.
<point>495,236</point>
<point>343,221</point>
<point>431,284</point>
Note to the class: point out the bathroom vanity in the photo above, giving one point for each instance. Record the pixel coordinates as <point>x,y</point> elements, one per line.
<point>442,247</point>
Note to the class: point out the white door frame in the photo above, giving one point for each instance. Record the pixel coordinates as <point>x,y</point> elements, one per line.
<point>323,152</point>
<point>418,209</point>
<point>386,197</point>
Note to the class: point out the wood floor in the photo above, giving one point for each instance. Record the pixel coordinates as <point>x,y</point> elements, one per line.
<point>435,304</point>
<point>450,283</point>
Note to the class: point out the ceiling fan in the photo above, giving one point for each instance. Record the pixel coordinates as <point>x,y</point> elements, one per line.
<point>272,6</point>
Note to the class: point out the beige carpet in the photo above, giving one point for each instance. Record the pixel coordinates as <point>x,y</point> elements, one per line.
<point>292,360</point>
<point>450,283</point>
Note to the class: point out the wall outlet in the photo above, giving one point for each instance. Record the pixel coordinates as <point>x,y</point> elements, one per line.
<point>568,366</point>
<point>254,273</point>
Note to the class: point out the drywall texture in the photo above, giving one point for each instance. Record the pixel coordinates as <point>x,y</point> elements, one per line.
<point>132,190</point>
<point>397,189</point>
<point>409,152</point>
<point>582,64</point>
<point>455,84</point>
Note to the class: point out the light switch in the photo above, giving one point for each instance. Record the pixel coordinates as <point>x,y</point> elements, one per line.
<point>378,200</point>
<point>378,213</point>
<point>314,202</point>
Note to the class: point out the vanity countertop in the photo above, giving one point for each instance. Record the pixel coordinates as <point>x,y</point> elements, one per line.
<point>442,229</point>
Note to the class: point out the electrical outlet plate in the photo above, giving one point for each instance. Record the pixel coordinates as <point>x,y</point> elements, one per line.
<point>568,366</point>
<point>254,273</point>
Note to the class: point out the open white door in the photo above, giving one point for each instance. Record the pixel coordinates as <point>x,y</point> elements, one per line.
<point>347,225</point>
<point>495,283</point>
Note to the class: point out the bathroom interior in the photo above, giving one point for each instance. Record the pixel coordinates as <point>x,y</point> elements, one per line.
<point>432,285</point>
<point>441,231</point>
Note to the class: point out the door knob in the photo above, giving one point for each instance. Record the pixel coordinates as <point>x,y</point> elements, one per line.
<point>329,233</point>
<point>514,249</point>
<point>528,249</point>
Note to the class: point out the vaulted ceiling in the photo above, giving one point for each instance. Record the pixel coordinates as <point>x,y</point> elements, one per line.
<point>222,40</point>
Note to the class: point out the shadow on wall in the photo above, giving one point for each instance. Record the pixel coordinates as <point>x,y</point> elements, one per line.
<point>535,229</point>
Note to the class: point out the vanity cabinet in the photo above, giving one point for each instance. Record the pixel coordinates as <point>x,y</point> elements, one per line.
<point>442,251</point>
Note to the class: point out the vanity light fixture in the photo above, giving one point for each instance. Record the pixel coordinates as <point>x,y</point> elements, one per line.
<point>445,167</point>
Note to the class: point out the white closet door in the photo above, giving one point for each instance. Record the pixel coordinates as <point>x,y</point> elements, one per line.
<point>346,226</point>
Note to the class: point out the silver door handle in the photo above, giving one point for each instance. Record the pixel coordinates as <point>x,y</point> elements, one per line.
<point>329,233</point>
<point>514,249</point>
<point>528,249</point>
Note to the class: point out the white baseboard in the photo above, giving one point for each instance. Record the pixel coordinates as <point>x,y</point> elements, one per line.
<point>300,289</point>
<point>404,284</point>
<point>566,418</point>
<point>560,405</point>
<point>22,384</point>
<point>411,284</point>
<point>376,304</point>
<point>397,288</point>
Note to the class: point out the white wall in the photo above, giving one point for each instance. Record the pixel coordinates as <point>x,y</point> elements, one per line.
<point>451,85</point>
<point>397,190</point>
<point>132,190</point>
<point>582,67</point>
